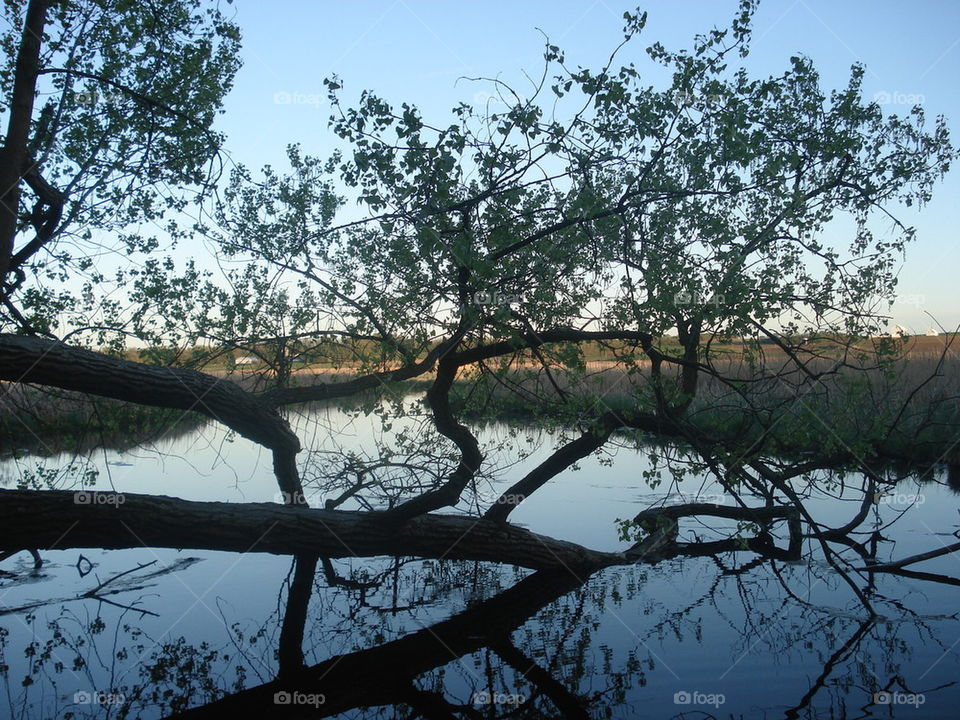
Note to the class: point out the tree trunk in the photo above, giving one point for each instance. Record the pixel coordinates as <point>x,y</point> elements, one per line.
<point>46,362</point>
<point>13,154</point>
<point>58,519</point>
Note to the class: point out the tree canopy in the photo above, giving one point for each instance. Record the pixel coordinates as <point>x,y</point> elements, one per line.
<point>110,108</point>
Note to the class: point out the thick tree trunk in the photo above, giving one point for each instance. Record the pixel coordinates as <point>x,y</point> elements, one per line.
<point>59,519</point>
<point>46,362</point>
<point>13,154</point>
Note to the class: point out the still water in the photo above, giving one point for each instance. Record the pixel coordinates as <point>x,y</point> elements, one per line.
<point>704,637</point>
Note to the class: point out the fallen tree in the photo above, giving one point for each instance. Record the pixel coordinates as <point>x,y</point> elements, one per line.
<point>56,520</point>
<point>55,364</point>
<point>692,212</point>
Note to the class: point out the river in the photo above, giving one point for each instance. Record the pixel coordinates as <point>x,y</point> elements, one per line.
<point>706,637</point>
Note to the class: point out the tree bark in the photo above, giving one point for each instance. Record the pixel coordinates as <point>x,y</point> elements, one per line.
<point>58,519</point>
<point>14,152</point>
<point>47,362</point>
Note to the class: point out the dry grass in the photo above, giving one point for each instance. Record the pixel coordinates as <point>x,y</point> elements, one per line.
<point>919,392</point>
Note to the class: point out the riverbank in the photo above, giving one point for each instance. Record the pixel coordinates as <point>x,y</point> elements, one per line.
<point>905,411</point>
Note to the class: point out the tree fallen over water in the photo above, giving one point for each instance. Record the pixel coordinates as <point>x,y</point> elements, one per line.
<point>613,214</point>
<point>55,520</point>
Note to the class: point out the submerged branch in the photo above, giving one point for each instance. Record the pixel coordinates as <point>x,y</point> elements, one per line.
<point>898,564</point>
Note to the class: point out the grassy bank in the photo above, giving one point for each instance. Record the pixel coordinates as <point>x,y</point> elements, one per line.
<point>907,410</point>
<point>38,421</point>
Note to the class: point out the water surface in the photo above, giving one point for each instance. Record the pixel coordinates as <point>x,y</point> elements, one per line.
<point>702,637</point>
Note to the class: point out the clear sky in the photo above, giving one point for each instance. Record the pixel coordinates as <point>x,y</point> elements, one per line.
<point>421,51</point>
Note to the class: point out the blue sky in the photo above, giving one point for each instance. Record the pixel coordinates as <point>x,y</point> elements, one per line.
<point>420,51</point>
